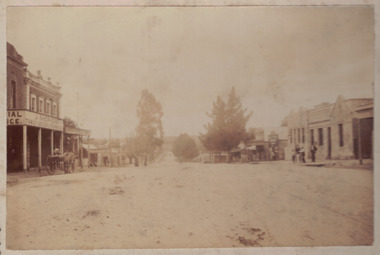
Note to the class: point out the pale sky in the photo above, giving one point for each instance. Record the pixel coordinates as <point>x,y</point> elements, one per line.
<point>278,59</point>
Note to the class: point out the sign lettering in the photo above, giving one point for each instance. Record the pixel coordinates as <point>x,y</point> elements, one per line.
<point>23,117</point>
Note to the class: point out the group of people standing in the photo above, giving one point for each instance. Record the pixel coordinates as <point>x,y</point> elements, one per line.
<point>299,153</point>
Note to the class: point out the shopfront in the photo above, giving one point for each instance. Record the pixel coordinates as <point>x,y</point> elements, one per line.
<point>31,137</point>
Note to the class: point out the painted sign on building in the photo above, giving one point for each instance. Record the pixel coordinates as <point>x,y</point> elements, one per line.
<point>23,117</point>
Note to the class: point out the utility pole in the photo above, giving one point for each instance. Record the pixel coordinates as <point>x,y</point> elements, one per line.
<point>110,147</point>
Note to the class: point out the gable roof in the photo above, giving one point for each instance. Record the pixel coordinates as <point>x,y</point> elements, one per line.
<point>320,112</point>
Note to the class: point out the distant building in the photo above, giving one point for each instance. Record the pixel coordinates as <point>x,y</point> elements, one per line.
<point>34,127</point>
<point>106,154</point>
<point>342,130</point>
<point>270,143</point>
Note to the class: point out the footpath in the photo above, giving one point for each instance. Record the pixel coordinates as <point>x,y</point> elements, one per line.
<point>367,164</point>
<point>21,177</point>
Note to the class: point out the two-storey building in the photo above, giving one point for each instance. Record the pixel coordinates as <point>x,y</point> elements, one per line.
<point>34,126</point>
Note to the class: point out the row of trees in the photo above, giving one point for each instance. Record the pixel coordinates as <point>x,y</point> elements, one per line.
<point>225,131</point>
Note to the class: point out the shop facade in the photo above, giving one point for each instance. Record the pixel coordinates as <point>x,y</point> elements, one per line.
<point>342,130</point>
<point>34,126</point>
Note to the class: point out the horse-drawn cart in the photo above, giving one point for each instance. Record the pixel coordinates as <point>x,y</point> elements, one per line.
<point>64,162</point>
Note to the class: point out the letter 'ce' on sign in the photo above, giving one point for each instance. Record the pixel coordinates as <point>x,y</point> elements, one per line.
<point>22,117</point>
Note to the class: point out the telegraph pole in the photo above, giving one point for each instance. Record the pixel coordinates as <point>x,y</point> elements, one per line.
<point>110,147</point>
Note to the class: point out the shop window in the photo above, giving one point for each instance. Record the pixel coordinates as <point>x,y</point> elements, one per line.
<point>320,136</point>
<point>33,103</point>
<point>341,142</point>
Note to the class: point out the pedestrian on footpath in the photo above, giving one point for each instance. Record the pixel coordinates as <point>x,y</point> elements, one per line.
<point>272,155</point>
<point>313,150</point>
<point>294,156</point>
<point>302,155</point>
<point>297,153</point>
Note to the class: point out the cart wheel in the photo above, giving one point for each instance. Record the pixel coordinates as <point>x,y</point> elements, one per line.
<point>50,166</point>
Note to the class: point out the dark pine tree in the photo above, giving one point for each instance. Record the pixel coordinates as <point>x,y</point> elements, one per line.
<point>215,137</point>
<point>236,120</point>
<point>227,127</point>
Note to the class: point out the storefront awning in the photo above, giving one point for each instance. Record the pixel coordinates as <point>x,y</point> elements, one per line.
<point>252,148</point>
<point>76,131</point>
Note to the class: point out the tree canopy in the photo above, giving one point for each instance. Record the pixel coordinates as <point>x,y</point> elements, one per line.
<point>227,127</point>
<point>185,148</point>
<point>68,122</point>
<point>149,132</point>
<point>68,139</point>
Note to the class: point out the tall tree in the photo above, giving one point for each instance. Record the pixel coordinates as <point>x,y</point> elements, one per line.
<point>236,120</point>
<point>214,138</point>
<point>149,130</point>
<point>227,127</point>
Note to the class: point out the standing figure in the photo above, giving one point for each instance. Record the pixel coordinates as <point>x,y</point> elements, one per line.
<point>293,155</point>
<point>313,150</point>
<point>297,153</point>
<point>272,155</point>
<point>302,154</point>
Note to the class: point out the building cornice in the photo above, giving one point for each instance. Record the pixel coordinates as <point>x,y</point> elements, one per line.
<point>43,89</point>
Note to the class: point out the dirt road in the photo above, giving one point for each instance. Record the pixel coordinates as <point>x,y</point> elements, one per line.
<point>172,205</point>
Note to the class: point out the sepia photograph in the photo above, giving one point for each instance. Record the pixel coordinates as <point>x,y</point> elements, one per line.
<point>177,127</point>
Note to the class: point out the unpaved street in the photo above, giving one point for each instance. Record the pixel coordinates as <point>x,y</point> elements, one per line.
<point>192,205</point>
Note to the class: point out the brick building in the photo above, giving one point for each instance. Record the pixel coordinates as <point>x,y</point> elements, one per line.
<point>342,130</point>
<point>34,127</point>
